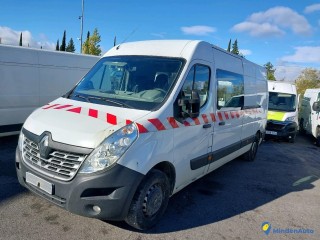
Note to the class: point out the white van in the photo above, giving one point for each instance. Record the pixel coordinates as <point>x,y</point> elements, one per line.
<point>30,78</point>
<point>309,114</point>
<point>141,125</point>
<point>282,111</point>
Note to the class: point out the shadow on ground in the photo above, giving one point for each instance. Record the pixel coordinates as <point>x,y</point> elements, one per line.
<point>9,185</point>
<point>239,186</point>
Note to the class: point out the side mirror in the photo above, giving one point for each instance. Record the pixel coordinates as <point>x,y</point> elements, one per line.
<point>190,107</point>
<point>316,106</point>
<point>194,104</point>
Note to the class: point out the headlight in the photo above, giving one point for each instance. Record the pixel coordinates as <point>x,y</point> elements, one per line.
<point>290,119</point>
<point>20,141</point>
<point>110,150</point>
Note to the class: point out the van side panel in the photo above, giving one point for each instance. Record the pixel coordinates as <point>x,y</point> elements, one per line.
<point>31,78</point>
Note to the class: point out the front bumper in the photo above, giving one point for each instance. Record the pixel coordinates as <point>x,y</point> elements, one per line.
<point>279,129</point>
<point>112,190</point>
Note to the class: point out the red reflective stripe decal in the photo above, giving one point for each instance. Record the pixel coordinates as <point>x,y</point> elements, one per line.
<point>238,114</point>
<point>75,110</point>
<point>141,128</point>
<point>128,121</point>
<point>63,106</point>
<point>187,124</point>
<point>157,123</point>
<point>205,118</point>
<point>213,117</point>
<point>226,115</point>
<point>233,114</point>
<point>51,106</point>
<point>196,121</point>
<point>220,116</point>
<point>112,119</point>
<point>173,122</point>
<point>93,113</point>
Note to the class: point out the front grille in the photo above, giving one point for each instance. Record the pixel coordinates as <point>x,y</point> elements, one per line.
<point>274,126</point>
<point>60,165</point>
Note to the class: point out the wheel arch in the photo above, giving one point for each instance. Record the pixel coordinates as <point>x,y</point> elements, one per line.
<point>169,170</point>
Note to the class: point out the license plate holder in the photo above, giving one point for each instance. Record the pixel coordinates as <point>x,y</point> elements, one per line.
<point>39,183</point>
<point>271,133</point>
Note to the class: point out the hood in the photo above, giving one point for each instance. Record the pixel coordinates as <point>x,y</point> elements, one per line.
<point>79,123</point>
<point>275,115</point>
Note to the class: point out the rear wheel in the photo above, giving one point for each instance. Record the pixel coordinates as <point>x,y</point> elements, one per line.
<point>150,201</point>
<point>251,154</point>
<point>301,129</point>
<point>318,136</point>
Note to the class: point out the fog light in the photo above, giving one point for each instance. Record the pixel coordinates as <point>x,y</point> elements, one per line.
<point>96,209</point>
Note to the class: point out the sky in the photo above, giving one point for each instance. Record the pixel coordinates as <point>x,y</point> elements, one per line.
<point>283,32</point>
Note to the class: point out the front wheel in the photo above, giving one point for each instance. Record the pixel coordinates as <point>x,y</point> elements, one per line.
<point>150,201</point>
<point>251,154</point>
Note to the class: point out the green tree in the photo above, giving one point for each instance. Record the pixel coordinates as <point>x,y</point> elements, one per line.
<point>229,46</point>
<point>308,78</point>
<point>57,46</point>
<point>63,43</point>
<point>71,47</point>
<point>20,41</point>
<point>270,71</point>
<point>91,45</point>
<point>235,49</point>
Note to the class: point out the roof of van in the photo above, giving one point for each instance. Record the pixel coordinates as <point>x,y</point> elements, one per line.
<point>282,87</point>
<point>187,49</point>
<point>170,48</point>
<point>313,90</point>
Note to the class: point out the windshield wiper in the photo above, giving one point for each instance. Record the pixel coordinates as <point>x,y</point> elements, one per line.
<point>121,104</point>
<point>83,97</point>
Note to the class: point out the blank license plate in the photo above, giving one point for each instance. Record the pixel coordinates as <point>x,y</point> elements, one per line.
<point>39,183</point>
<point>271,132</point>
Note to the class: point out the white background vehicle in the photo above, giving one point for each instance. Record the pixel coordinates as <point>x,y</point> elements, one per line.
<point>309,113</point>
<point>31,78</point>
<point>147,120</point>
<point>282,111</point>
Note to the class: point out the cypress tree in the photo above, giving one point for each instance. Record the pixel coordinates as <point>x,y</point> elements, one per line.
<point>229,46</point>
<point>20,42</point>
<point>63,43</point>
<point>57,46</point>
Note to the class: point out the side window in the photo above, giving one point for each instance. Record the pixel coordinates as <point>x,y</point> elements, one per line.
<point>230,89</point>
<point>197,79</point>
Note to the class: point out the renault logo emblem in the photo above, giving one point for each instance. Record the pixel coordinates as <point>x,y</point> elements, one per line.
<point>44,147</point>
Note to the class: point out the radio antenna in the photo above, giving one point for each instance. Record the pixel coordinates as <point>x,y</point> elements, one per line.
<point>130,35</point>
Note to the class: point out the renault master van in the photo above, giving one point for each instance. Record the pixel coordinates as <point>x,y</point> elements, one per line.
<point>309,114</point>
<point>148,119</point>
<point>282,111</point>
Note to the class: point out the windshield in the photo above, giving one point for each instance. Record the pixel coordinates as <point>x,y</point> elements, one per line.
<point>282,102</point>
<point>137,82</point>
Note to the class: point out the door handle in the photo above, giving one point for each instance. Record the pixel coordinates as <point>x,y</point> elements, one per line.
<point>208,125</point>
<point>222,123</point>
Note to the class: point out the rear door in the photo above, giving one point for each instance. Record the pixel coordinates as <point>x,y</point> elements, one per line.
<point>228,124</point>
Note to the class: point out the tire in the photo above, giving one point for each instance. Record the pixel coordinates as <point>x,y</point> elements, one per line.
<point>251,154</point>
<point>318,136</point>
<point>301,129</point>
<point>150,201</point>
